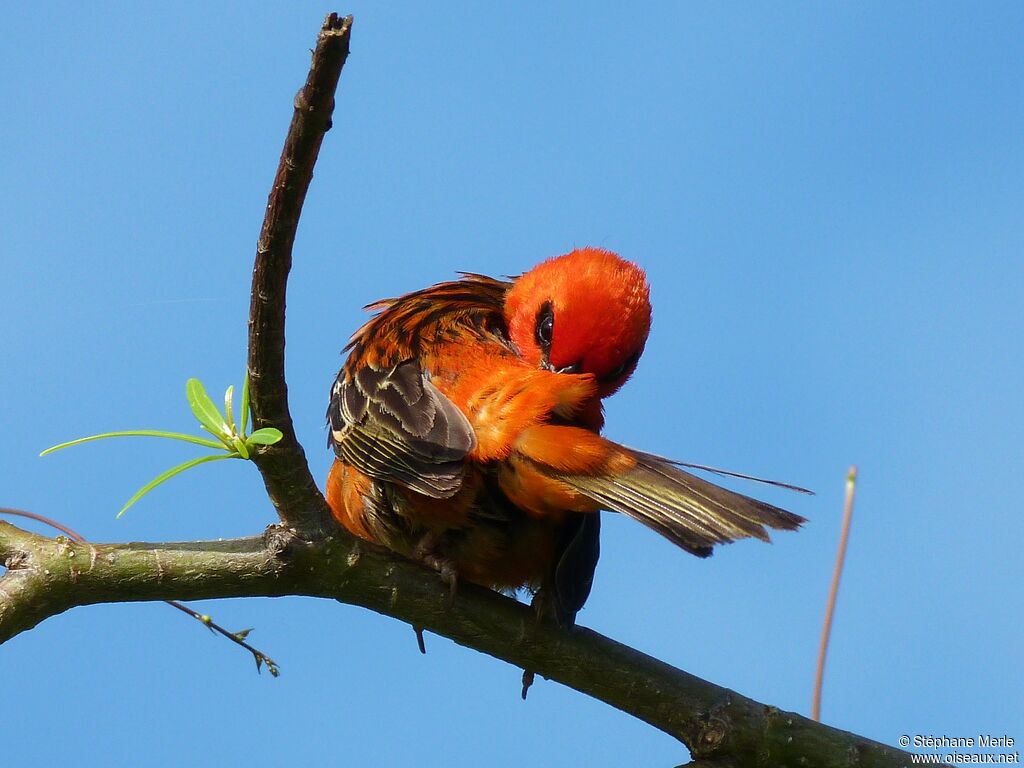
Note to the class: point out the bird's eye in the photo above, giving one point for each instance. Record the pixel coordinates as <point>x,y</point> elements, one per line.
<point>545,326</point>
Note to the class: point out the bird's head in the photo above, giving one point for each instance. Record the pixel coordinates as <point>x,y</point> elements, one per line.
<point>588,311</point>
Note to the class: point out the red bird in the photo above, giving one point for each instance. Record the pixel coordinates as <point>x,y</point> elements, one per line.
<point>466,423</point>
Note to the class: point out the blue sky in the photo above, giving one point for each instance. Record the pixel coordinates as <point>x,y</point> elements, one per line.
<point>826,198</point>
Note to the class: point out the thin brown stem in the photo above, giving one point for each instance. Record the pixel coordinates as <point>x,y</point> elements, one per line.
<point>235,637</point>
<point>826,630</point>
<point>44,520</point>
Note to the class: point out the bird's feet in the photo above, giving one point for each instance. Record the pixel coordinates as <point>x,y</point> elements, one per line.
<point>449,576</point>
<point>426,553</point>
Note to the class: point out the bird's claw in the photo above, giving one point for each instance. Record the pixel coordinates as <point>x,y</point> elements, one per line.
<point>451,578</point>
<point>528,678</point>
<point>444,567</point>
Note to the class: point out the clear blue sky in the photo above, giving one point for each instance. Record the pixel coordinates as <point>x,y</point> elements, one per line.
<point>827,199</point>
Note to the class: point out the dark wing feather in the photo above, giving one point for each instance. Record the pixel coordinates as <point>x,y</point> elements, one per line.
<point>578,551</point>
<point>395,425</point>
<point>687,510</point>
<point>476,303</point>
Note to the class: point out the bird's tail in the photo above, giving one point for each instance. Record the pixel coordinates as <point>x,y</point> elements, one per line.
<point>688,511</point>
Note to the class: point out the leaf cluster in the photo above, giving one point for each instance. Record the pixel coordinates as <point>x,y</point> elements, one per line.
<point>231,439</point>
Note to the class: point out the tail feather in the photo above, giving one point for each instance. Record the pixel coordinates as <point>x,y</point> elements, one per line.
<point>692,513</point>
<point>720,471</point>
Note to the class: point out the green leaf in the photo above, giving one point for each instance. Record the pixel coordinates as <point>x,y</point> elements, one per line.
<point>240,446</point>
<point>229,411</point>
<point>244,415</point>
<point>265,436</point>
<point>139,433</point>
<point>163,477</point>
<point>204,409</point>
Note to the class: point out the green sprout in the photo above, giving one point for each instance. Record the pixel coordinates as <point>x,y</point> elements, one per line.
<point>231,440</point>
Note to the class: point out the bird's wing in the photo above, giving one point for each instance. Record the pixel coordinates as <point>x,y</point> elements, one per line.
<point>687,510</point>
<point>395,425</point>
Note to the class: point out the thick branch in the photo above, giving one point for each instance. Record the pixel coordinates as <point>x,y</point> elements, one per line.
<point>48,576</point>
<point>289,484</point>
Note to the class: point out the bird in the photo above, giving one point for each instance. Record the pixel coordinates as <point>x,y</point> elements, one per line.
<point>466,425</point>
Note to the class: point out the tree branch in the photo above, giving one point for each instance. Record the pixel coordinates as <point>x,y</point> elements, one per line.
<point>290,486</point>
<point>49,576</point>
<point>310,556</point>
